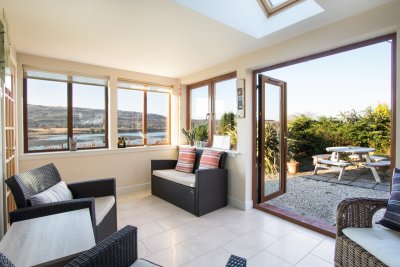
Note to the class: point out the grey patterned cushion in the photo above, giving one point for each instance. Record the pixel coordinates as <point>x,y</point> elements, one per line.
<point>391,218</point>
<point>4,262</point>
<point>58,192</point>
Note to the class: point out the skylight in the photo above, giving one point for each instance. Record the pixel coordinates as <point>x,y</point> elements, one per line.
<point>272,6</point>
<point>247,16</point>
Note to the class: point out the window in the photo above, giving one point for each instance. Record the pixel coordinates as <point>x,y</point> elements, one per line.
<point>272,6</point>
<point>59,107</point>
<point>144,114</point>
<point>213,104</point>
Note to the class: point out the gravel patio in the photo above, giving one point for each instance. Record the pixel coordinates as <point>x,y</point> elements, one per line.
<point>318,195</point>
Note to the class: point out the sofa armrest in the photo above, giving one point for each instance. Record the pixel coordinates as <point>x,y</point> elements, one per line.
<point>211,189</point>
<point>93,188</point>
<point>54,208</point>
<point>357,212</point>
<point>163,164</point>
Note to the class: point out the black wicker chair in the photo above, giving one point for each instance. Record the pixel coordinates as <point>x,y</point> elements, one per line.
<point>25,185</point>
<point>5,262</point>
<point>117,250</point>
<point>209,193</point>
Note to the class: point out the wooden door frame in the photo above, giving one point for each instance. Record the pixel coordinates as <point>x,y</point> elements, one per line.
<point>293,218</point>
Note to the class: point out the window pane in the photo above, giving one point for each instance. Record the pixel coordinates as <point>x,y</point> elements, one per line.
<point>157,118</point>
<point>225,106</point>
<point>89,115</point>
<point>47,115</point>
<point>130,115</point>
<point>199,106</point>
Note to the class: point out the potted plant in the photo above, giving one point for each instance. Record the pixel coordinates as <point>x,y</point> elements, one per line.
<point>189,135</point>
<point>200,134</point>
<point>292,164</point>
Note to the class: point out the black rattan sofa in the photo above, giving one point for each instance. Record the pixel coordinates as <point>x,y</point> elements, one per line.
<point>207,193</point>
<point>94,194</point>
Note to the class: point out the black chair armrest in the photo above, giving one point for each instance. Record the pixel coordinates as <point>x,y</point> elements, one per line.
<point>357,212</point>
<point>54,208</point>
<point>118,249</point>
<point>93,188</point>
<point>163,164</point>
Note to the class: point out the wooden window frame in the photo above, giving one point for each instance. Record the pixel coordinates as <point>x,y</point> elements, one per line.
<point>210,83</point>
<point>270,10</point>
<point>144,117</point>
<point>70,123</point>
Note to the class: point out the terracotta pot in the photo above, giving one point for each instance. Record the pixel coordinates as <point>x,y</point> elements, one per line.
<point>293,167</point>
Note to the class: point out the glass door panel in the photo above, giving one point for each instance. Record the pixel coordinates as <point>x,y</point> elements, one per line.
<point>272,137</point>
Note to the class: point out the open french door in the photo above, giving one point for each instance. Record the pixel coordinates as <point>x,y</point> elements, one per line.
<point>271,138</point>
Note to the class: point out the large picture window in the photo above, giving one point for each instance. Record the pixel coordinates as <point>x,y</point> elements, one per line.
<point>212,105</point>
<point>143,114</point>
<point>59,107</point>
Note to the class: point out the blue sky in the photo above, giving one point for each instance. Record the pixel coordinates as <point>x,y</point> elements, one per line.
<point>354,79</point>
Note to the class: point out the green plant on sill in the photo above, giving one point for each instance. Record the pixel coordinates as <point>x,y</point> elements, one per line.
<point>189,135</point>
<point>200,132</point>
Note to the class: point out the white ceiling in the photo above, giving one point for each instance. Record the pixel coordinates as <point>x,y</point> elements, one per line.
<point>152,36</point>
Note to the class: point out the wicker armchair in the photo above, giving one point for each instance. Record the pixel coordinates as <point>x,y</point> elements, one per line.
<point>117,250</point>
<point>86,194</point>
<point>355,212</point>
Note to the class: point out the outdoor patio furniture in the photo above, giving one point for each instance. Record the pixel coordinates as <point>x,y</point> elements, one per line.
<point>236,261</point>
<point>320,156</point>
<point>119,249</point>
<point>358,243</point>
<point>336,162</point>
<point>98,195</point>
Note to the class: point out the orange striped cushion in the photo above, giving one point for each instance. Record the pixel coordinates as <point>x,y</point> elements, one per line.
<point>210,159</point>
<point>186,159</point>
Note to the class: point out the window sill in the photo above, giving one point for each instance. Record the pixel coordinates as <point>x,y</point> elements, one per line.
<point>231,153</point>
<point>94,152</point>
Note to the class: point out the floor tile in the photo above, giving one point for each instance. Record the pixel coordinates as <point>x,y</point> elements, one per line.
<point>172,257</point>
<point>176,220</point>
<point>142,250</point>
<point>265,258</point>
<point>325,250</point>
<point>210,240</point>
<point>247,223</point>
<point>293,247</point>
<point>278,228</point>
<point>311,261</point>
<point>216,258</point>
<point>149,229</point>
<point>169,238</point>
<point>250,244</point>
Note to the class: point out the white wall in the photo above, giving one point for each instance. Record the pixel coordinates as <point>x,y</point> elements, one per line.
<point>130,166</point>
<point>380,21</point>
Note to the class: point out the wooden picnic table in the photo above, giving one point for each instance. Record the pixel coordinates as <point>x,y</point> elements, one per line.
<point>336,160</point>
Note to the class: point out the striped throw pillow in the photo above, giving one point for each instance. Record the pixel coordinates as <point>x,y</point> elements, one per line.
<point>58,192</point>
<point>210,159</point>
<point>186,159</point>
<point>391,218</point>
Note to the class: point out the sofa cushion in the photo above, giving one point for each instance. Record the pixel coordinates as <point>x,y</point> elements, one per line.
<point>391,218</point>
<point>188,179</point>
<point>186,159</point>
<point>210,159</point>
<point>102,205</point>
<point>58,192</point>
<point>383,243</point>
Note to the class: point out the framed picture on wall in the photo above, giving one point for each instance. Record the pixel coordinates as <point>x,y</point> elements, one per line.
<point>240,98</point>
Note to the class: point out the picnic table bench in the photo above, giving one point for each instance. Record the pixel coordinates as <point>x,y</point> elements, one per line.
<point>341,165</point>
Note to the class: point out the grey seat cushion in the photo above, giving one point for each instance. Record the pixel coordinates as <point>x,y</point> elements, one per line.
<point>188,179</point>
<point>383,243</point>
<point>102,206</point>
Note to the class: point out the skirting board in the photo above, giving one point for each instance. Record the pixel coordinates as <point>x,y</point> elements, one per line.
<point>133,188</point>
<point>243,205</point>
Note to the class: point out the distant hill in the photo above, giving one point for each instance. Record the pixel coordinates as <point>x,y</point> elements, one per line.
<point>56,117</point>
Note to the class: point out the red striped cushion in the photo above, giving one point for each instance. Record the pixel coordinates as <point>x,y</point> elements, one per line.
<point>186,159</point>
<point>210,159</point>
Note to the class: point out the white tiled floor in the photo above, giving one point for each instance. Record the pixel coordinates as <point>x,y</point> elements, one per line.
<point>171,236</point>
